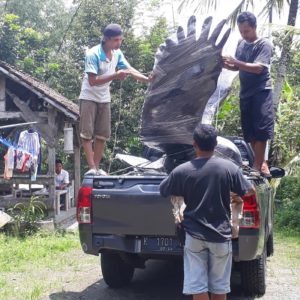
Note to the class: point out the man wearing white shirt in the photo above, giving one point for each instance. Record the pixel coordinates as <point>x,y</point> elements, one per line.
<point>61,176</point>
<point>103,64</point>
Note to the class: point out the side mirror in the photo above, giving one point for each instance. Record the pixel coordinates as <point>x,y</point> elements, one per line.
<point>277,172</point>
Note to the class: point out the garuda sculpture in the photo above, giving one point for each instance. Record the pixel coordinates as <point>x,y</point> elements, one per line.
<point>185,77</point>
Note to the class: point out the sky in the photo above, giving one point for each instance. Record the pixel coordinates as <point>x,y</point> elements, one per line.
<point>169,10</point>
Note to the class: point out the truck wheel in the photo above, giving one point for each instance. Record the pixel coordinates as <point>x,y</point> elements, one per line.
<point>270,244</point>
<point>116,273</point>
<point>253,276</point>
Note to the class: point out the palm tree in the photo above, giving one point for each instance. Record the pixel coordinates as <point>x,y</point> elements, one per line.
<point>268,9</point>
<point>285,52</point>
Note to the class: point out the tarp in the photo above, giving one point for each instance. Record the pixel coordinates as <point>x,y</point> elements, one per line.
<point>186,74</point>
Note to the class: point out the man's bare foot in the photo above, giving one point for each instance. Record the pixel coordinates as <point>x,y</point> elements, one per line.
<point>265,169</point>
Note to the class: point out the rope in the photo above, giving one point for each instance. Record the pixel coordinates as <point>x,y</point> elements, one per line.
<point>111,158</point>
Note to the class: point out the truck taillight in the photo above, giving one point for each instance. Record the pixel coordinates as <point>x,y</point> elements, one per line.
<point>84,205</point>
<point>250,213</point>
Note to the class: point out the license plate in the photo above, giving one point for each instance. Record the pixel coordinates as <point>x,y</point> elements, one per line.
<point>161,244</point>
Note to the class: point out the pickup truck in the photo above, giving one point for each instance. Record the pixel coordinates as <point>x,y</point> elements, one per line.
<point>126,220</point>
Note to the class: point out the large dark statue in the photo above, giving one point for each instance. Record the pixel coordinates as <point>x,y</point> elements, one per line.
<point>185,77</point>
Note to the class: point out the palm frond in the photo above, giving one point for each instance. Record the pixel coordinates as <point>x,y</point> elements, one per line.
<point>203,6</point>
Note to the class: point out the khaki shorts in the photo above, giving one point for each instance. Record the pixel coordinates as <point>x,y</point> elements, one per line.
<point>95,119</point>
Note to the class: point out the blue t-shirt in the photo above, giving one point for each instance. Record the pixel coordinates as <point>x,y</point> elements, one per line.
<point>259,52</point>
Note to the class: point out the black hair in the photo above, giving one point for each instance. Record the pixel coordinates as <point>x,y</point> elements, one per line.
<point>249,17</point>
<point>58,161</point>
<point>205,137</point>
<point>112,30</point>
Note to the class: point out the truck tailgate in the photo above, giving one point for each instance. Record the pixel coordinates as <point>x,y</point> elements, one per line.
<point>131,206</point>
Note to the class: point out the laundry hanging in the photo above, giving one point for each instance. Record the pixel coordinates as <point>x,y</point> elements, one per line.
<point>29,141</point>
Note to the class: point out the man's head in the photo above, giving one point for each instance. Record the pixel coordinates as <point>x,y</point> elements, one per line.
<point>58,166</point>
<point>247,26</point>
<point>205,138</point>
<point>113,36</point>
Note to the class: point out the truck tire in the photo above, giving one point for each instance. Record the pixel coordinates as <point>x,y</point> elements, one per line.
<point>116,273</point>
<point>270,244</point>
<point>253,276</point>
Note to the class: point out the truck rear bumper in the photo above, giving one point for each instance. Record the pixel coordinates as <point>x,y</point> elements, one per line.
<point>246,247</point>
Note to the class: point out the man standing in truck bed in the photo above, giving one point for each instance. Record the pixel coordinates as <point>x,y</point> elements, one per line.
<point>205,184</point>
<point>95,117</point>
<point>253,60</point>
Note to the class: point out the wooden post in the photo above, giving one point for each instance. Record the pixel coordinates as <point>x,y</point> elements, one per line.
<point>2,93</point>
<point>77,177</point>
<point>51,158</point>
<point>51,172</point>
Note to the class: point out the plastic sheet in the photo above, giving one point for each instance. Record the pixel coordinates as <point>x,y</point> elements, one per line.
<point>186,73</point>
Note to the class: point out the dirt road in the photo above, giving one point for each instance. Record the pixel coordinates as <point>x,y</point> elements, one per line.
<point>163,281</point>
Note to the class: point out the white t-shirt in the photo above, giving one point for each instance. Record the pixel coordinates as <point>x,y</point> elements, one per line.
<point>62,178</point>
<point>97,63</point>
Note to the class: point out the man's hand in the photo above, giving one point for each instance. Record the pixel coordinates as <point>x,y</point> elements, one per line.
<point>229,63</point>
<point>121,74</point>
<point>251,191</point>
<point>229,60</point>
<point>151,77</point>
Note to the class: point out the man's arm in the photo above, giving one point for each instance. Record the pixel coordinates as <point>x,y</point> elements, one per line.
<point>229,67</point>
<point>238,65</point>
<point>171,186</point>
<point>95,79</point>
<point>137,75</point>
<point>241,186</point>
<point>123,64</point>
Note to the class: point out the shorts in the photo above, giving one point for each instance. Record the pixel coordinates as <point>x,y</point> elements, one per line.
<point>207,266</point>
<point>95,119</point>
<point>257,116</point>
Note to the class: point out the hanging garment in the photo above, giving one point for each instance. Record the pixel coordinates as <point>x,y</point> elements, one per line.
<point>34,169</point>
<point>30,142</point>
<point>9,160</point>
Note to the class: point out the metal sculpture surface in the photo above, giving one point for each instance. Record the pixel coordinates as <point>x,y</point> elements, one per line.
<point>185,77</point>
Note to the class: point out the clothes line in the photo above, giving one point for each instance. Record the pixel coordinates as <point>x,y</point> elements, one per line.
<point>18,125</point>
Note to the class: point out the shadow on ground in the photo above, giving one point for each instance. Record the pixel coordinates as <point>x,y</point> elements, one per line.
<point>159,281</point>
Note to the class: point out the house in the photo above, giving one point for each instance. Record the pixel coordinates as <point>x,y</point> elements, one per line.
<point>26,99</point>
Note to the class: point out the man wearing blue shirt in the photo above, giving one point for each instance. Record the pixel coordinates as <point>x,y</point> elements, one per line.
<point>101,63</point>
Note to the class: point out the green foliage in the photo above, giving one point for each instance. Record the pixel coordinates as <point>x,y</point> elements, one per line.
<point>228,118</point>
<point>47,16</point>
<point>288,211</point>
<point>286,143</point>
<point>25,216</point>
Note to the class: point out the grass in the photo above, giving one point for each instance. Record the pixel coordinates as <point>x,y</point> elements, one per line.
<point>37,249</point>
<point>36,266</point>
<point>287,244</point>
<point>28,265</point>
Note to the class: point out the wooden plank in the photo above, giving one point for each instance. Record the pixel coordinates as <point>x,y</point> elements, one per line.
<point>10,115</point>
<point>2,93</point>
<point>52,122</point>
<point>77,177</point>
<point>24,179</point>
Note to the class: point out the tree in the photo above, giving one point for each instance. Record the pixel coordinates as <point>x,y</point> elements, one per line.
<point>270,6</point>
<point>47,16</point>
<point>285,52</point>
<point>24,47</point>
